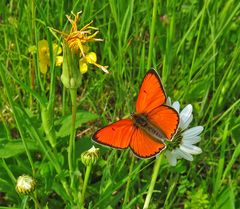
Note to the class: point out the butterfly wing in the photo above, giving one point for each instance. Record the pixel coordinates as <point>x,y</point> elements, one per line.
<point>117,135</point>
<point>144,146</point>
<point>151,94</point>
<point>166,119</point>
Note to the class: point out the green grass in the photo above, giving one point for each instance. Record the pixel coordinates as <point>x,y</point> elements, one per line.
<point>196,52</point>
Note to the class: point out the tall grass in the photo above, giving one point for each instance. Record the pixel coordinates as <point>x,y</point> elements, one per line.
<point>195,47</point>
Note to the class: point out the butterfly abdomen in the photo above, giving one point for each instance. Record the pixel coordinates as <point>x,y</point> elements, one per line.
<point>141,121</point>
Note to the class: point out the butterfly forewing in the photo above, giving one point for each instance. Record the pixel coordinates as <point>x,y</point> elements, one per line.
<point>151,94</point>
<point>117,135</point>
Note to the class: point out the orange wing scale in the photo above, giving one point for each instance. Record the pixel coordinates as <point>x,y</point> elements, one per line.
<point>144,146</point>
<point>166,118</point>
<point>151,94</point>
<point>117,135</point>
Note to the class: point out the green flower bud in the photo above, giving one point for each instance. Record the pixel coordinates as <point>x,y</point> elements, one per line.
<point>90,156</point>
<point>71,76</point>
<point>25,184</point>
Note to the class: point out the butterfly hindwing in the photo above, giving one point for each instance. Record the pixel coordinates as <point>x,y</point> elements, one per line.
<point>117,135</point>
<point>166,119</point>
<point>151,94</point>
<point>144,146</point>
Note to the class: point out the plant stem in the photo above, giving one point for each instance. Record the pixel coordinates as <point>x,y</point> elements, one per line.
<point>153,181</point>
<point>71,148</point>
<point>64,106</point>
<point>126,196</point>
<point>152,31</point>
<point>35,200</point>
<point>32,6</point>
<point>85,183</point>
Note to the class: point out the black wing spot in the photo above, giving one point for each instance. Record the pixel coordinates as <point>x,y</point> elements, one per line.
<point>145,91</point>
<point>113,129</point>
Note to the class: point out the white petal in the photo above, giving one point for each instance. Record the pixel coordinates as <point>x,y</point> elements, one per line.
<point>184,155</point>
<point>184,125</point>
<point>191,140</point>
<point>168,102</point>
<point>185,114</point>
<point>191,149</point>
<point>195,131</point>
<point>176,106</point>
<point>171,158</point>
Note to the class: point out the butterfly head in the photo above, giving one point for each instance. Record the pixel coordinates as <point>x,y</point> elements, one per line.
<point>139,120</point>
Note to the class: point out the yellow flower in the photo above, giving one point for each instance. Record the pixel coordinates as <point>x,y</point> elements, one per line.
<point>90,58</point>
<point>44,55</point>
<point>77,39</point>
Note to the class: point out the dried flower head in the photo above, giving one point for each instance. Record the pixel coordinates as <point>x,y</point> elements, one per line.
<point>77,38</point>
<point>90,156</point>
<point>25,184</point>
<point>77,41</point>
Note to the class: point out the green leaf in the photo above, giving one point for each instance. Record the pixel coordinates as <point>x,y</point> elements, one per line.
<point>16,147</point>
<point>226,199</point>
<point>197,89</point>
<point>81,118</point>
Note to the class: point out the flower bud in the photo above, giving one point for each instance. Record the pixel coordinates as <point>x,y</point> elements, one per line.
<point>25,184</point>
<point>90,156</point>
<point>71,76</point>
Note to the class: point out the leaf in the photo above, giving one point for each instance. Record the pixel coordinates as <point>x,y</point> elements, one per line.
<point>197,89</point>
<point>16,147</point>
<point>226,199</point>
<point>81,118</point>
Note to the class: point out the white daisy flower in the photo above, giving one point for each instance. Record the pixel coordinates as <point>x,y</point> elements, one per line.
<point>182,146</point>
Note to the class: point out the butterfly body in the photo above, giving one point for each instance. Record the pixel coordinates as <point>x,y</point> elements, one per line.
<point>147,129</point>
<point>141,121</point>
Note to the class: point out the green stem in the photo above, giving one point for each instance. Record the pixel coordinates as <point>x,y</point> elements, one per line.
<point>153,181</point>
<point>64,105</point>
<point>9,172</point>
<point>201,24</point>
<point>71,148</point>
<point>126,196</point>
<point>152,31</point>
<point>5,124</point>
<point>85,183</point>
<point>32,28</point>
<point>35,200</point>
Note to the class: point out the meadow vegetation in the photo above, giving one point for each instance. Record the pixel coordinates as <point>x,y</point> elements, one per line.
<point>195,48</point>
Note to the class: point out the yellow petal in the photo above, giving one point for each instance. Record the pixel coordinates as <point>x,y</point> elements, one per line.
<point>43,51</point>
<point>43,67</point>
<point>83,66</point>
<point>59,60</point>
<point>42,43</point>
<point>91,58</point>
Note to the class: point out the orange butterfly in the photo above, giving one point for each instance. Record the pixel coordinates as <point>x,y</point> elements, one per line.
<point>147,129</point>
